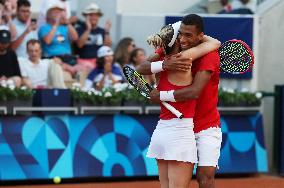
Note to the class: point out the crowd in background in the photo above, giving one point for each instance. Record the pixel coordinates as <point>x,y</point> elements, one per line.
<point>55,49</point>
<point>235,7</point>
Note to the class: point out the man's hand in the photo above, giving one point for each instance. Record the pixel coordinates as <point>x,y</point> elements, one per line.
<point>177,63</point>
<point>88,23</point>
<point>108,25</point>
<point>155,96</point>
<point>31,26</point>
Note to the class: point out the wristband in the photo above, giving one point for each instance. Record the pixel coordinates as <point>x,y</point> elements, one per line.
<point>157,67</point>
<point>167,96</point>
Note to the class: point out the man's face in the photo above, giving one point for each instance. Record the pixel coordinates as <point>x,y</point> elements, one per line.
<point>94,18</point>
<point>55,13</point>
<point>4,46</point>
<point>189,36</point>
<point>34,52</point>
<point>23,13</point>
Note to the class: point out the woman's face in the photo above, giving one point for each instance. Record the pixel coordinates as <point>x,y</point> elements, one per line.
<point>140,57</point>
<point>131,47</point>
<point>108,59</point>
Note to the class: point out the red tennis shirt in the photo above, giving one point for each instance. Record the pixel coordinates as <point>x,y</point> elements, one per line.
<point>206,111</point>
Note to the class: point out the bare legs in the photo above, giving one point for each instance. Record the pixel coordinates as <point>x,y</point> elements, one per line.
<point>174,174</point>
<point>205,176</point>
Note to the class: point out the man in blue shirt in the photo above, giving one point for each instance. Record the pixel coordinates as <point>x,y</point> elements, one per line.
<point>57,34</point>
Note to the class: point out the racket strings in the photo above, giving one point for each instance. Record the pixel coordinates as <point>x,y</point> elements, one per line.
<point>235,57</point>
<point>137,82</point>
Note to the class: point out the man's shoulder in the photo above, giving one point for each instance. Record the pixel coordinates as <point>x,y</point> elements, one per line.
<point>16,22</point>
<point>213,54</point>
<point>11,53</point>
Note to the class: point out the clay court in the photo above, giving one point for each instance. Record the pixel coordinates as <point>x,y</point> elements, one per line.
<point>259,181</point>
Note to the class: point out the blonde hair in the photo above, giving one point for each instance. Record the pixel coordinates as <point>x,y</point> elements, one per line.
<point>161,39</point>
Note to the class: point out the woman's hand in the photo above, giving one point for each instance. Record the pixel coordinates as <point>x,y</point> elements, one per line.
<point>108,68</point>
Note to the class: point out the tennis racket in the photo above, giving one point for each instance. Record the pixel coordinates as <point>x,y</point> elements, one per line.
<point>236,57</point>
<point>141,85</point>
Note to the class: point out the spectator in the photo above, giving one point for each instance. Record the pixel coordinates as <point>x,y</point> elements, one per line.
<point>137,57</point>
<point>6,17</point>
<point>241,7</point>
<point>9,66</point>
<point>25,28</point>
<point>62,3</point>
<point>123,50</point>
<point>57,34</point>
<point>13,5</point>
<point>56,37</point>
<point>227,7</point>
<point>40,73</point>
<point>92,37</point>
<point>106,73</point>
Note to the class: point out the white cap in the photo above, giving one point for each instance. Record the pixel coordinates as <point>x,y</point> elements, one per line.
<point>176,27</point>
<point>104,51</point>
<point>92,8</point>
<point>58,5</point>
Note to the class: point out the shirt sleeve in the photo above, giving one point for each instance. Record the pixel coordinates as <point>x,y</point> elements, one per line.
<point>43,31</point>
<point>93,74</point>
<point>22,66</point>
<point>209,62</point>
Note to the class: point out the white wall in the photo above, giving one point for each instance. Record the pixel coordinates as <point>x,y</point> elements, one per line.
<point>271,60</point>
<point>154,6</point>
<point>139,27</point>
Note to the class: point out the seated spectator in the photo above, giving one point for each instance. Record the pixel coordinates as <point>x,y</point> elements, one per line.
<point>241,7</point>
<point>62,3</point>
<point>40,73</point>
<point>9,66</point>
<point>13,6</point>
<point>123,50</point>
<point>57,34</point>
<point>25,28</point>
<point>56,37</point>
<point>91,36</point>
<point>6,17</point>
<point>227,7</point>
<point>107,73</point>
<point>137,57</point>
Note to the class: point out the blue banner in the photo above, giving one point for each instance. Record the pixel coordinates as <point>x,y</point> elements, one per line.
<point>226,28</point>
<point>42,147</point>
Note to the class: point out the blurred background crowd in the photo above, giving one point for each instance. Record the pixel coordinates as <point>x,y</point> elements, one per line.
<point>54,48</point>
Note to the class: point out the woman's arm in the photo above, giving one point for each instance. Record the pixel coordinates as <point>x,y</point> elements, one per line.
<point>208,44</point>
<point>153,57</point>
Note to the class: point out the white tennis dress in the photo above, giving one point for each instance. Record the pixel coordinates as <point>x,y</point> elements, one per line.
<point>174,140</point>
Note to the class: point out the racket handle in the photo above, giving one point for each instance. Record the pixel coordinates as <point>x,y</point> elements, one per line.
<point>173,110</point>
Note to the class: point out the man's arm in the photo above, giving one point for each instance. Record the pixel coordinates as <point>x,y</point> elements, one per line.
<point>191,92</point>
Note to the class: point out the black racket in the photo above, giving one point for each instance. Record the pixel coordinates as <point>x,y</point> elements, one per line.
<point>236,57</point>
<point>141,85</point>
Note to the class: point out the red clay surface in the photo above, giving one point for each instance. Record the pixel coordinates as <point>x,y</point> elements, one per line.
<point>247,182</point>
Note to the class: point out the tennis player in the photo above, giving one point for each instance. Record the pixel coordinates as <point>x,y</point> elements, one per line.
<point>205,88</point>
<point>173,142</point>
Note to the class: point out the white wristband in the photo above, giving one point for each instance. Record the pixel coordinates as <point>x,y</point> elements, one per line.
<point>167,96</point>
<point>157,67</point>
